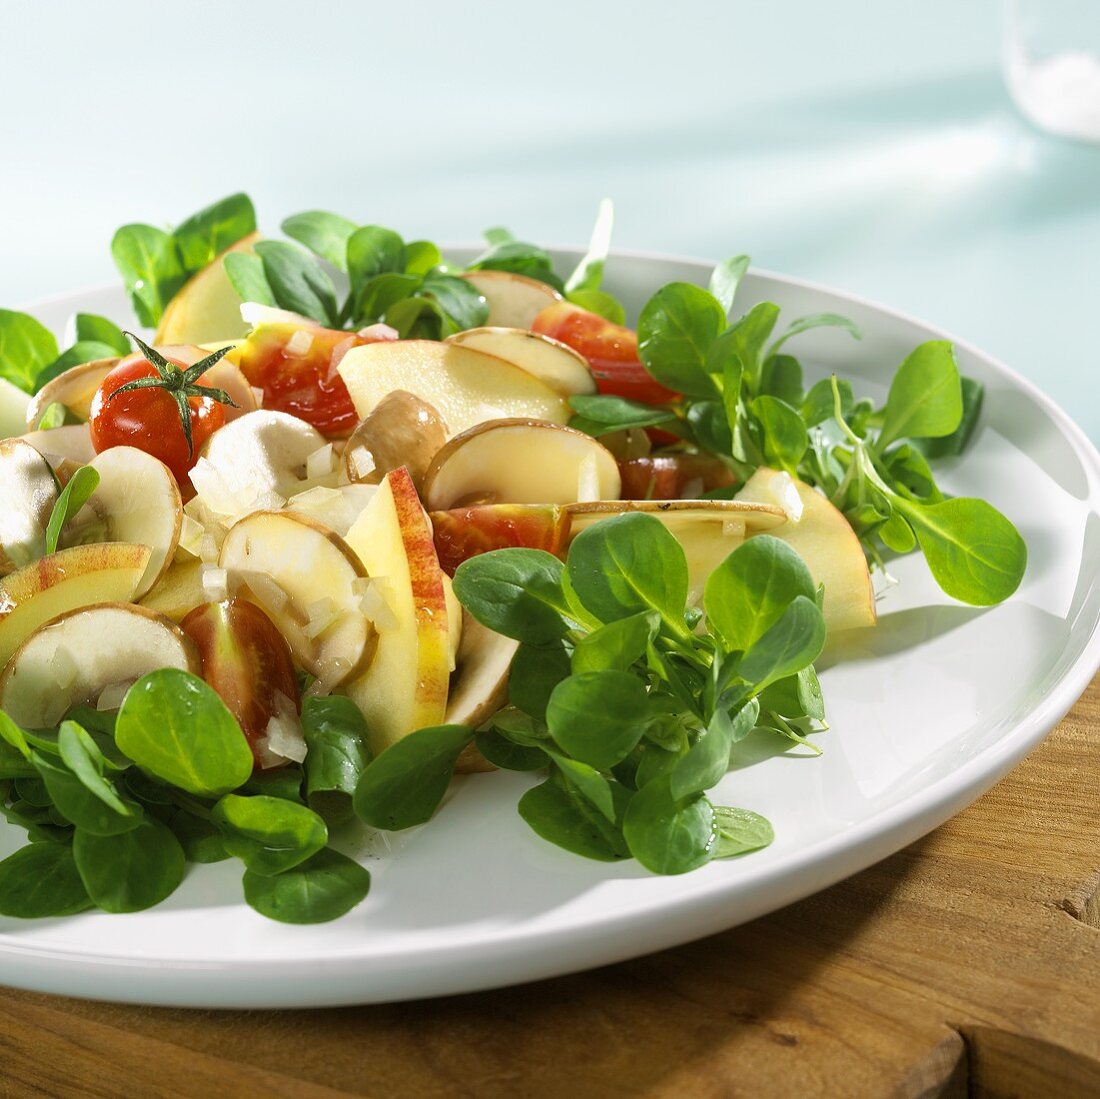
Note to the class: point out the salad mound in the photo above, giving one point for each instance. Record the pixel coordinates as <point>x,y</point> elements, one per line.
<point>354,518</point>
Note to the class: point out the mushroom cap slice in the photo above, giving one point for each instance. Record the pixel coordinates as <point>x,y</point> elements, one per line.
<point>520,461</point>
<point>74,389</point>
<point>479,686</point>
<point>514,300</point>
<point>401,430</point>
<point>566,371</point>
<point>28,493</point>
<point>315,571</point>
<point>107,572</point>
<point>465,387</point>
<point>255,462</point>
<point>69,660</point>
<point>137,500</point>
<point>72,442</point>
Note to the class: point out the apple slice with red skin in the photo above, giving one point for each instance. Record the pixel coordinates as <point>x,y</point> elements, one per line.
<point>405,686</point>
<point>247,661</point>
<point>462,533</point>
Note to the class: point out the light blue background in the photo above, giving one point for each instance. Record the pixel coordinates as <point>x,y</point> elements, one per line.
<point>868,144</point>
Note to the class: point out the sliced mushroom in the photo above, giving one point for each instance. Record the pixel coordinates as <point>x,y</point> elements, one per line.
<point>255,462</point>
<point>520,462</point>
<point>74,389</point>
<point>708,530</point>
<point>72,659</point>
<point>28,493</point>
<point>514,300</point>
<point>559,366</point>
<point>402,430</point>
<point>72,443</point>
<point>305,577</point>
<point>137,500</point>
<point>479,686</point>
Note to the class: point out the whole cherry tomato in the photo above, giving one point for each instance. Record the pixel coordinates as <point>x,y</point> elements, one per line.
<point>611,351</point>
<point>160,406</point>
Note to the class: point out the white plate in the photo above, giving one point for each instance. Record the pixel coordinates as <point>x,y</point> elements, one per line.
<point>927,711</point>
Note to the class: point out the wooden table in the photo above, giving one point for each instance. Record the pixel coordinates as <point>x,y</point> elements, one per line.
<point>966,965</point>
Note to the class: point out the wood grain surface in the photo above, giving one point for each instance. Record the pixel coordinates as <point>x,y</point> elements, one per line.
<point>966,965</point>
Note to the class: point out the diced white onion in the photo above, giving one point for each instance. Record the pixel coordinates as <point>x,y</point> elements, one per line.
<point>322,614</point>
<point>363,462</point>
<point>320,463</point>
<point>284,737</point>
<point>270,595</point>
<point>299,344</point>
<point>258,395</point>
<point>376,602</point>
<point>215,583</point>
<point>192,533</point>
<point>110,698</point>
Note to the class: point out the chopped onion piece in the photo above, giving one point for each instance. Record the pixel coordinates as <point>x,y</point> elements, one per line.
<point>284,737</point>
<point>376,603</point>
<point>192,536</point>
<point>299,344</point>
<point>320,463</point>
<point>258,394</point>
<point>110,698</point>
<point>270,595</point>
<point>363,461</point>
<point>322,614</point>
<point>215,583</point>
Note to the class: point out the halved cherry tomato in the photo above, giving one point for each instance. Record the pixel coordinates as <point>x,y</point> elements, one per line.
<point>611,351</point>
<point>673,476</point>
<point>149,419</point>
<point>246,660</point>
<point>295,366</point>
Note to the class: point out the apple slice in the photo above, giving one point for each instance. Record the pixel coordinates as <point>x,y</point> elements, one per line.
<point>708,530</point>
<point>74,389</point>
<point>255,463</point>
<point>401,430</point>
<point>72,659</point>
<point>137,500</point>
<point>108,572</point>
<point>463,533</point>
<point>466,387</point>
<point>305,577</point>
<point>564,370</point>
<point>514,300</point>
<point>520,462</point>
<point>824,539</point>
<point>207,307</point>
<point>73,443</point>
<point>28,492</point>
<point>405,686</point>
<point>178,592</point>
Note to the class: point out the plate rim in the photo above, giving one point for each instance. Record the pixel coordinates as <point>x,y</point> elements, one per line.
<point>834,858</point>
